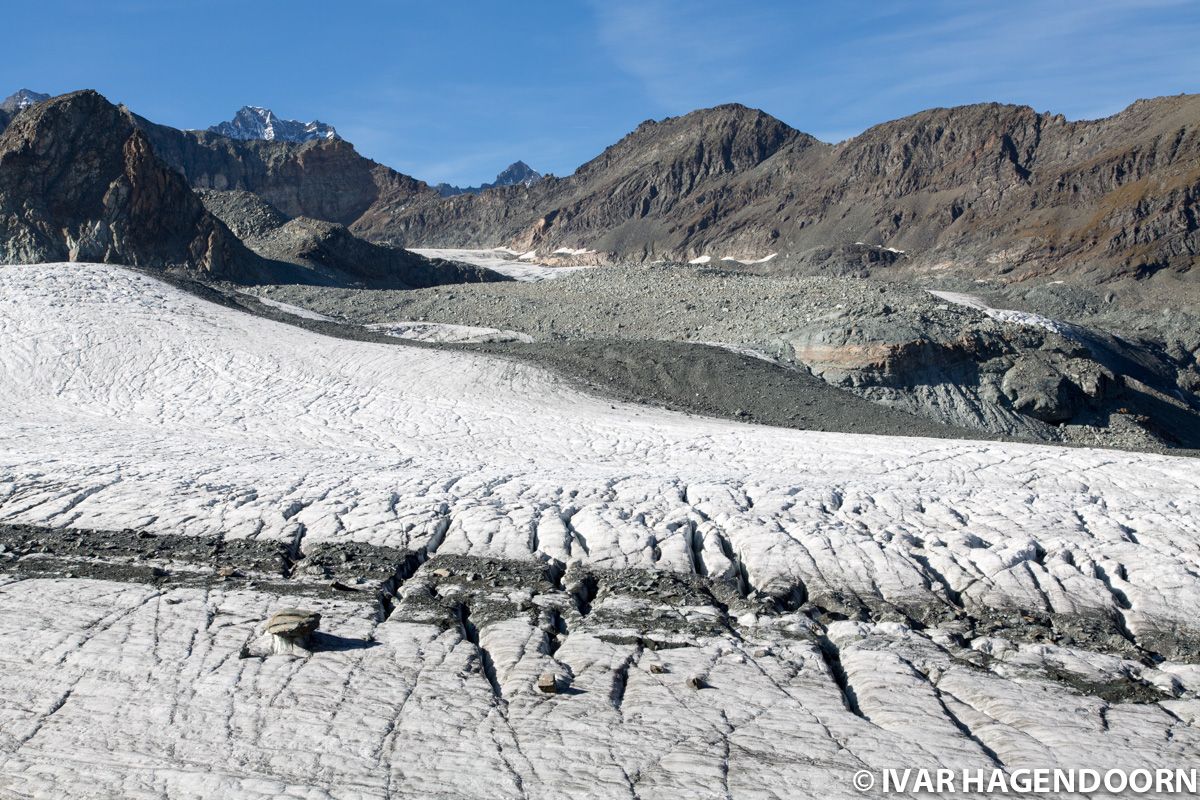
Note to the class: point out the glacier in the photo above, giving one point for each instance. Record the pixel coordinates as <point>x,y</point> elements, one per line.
<point>731,610</point>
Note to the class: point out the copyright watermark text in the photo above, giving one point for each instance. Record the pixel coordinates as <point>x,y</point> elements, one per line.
<point>1027,781</point>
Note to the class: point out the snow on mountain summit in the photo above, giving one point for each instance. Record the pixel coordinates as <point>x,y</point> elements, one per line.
<point>22,98</point>
<point>253,122</point>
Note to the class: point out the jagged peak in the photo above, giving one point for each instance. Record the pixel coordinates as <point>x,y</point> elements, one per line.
<point>516,173</point>
<point>22,99</point>
<point>260,123</point>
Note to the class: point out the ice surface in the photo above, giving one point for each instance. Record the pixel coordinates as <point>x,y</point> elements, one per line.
<point>445,332</point>
<point>1007,315</point>
<point>288,308</point>
<point>519,266</point>
<point>130,404</point>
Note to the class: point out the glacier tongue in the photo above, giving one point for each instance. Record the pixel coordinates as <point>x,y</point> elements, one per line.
<point>840,601</point>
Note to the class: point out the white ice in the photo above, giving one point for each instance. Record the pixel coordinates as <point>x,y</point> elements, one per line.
<point>747,261</point>
<point>1007,315</point>
<point>445,332</point>
<point>503,260</point>
<point>130,404</point>
<point>288,308</point>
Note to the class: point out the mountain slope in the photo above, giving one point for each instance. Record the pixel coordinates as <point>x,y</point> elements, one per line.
<point>323,179</point>
<point>650,187</point>
<point>22,99</point>
<point>80,181</point>
<point>994,189</point>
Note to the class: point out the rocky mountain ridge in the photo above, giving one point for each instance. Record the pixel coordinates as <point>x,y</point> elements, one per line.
<point>82,180</point>
<point>995,189</point>
<point>985,191</point>
<point>254,123</point>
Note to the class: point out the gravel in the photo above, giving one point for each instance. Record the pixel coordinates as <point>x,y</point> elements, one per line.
<point>671,302</point>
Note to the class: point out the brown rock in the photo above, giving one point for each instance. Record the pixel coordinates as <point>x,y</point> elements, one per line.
<point>293,623</point>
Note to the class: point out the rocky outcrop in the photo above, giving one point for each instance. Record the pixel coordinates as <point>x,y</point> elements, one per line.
<point>80,182</point>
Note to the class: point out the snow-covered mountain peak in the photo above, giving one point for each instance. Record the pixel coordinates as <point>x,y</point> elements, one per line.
<point>22,98</point>
<point>517,173</point>
<point>255,122</point>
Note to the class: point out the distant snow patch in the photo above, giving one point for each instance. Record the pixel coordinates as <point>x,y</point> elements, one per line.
<point>762,260</point>
<point>701,260</point>
<point>881,247</point>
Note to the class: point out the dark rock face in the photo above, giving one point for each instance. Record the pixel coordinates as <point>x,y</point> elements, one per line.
<point>79,182</point>
<point>1043,390</point>
<point>323,179</point>
<point>989,189</point>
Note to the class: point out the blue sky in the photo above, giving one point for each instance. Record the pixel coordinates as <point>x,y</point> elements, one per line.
<point>455,91</point>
